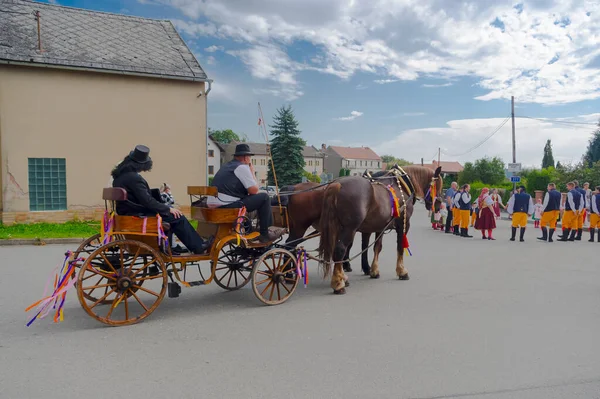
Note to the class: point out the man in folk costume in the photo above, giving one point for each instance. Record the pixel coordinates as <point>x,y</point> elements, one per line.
<point>573,207</point>
<point>450,193</point>
<point>487,217</point>
<point>581,216</point>
<point>520,206</point>
<point>595,214</point>
<point>464,203</point>
<point>456,212</point>
<point>550,211</point>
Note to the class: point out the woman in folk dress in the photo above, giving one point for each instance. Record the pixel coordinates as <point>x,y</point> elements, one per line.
<point>497,200</point>
<point>486,219</point>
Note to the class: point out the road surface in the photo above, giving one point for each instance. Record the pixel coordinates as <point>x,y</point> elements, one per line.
<point>477,319</point>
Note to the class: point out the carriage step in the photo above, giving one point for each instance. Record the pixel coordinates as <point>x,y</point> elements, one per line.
<point>173,290</point>
<point>196,283</point>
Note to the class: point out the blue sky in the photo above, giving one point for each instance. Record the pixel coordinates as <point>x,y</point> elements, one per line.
<point>403,77</point>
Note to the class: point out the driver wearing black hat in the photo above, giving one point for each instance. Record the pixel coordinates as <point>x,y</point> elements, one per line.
<point>140,201</point>
<point>237,187</point>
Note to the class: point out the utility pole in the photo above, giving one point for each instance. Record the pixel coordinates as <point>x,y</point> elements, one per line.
<point>439,155</point>
<point>514,148</point>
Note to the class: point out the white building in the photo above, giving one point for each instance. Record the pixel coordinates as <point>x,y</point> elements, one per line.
<point>213,157</point>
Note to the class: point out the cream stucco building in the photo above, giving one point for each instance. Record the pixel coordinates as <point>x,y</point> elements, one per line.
<point>74,103</point>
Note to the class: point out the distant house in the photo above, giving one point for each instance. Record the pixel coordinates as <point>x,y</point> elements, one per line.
<point>313,160</point>
<point>79,89</point>
<point>356,159</point>
<point>448,168</point>
<point>214,158</point>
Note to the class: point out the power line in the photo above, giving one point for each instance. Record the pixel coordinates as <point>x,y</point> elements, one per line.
<point>559,121</point>
<point>482,141</point>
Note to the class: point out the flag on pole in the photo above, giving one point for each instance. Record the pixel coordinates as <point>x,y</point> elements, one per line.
<point>259,121</point>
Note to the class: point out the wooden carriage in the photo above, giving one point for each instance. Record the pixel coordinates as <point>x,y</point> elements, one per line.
<point>131,255</point>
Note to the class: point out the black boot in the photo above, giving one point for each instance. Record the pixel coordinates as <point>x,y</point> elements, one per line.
<point>521,238</point>
<point>592,234</point>
<point>456,231</point>
<point>544,236</point>
<point>573,235</point>
<point>550,234</point>
<point>565,236</point>
<point>579,234</point>
<point>467,233</point>
<point>514,233</point>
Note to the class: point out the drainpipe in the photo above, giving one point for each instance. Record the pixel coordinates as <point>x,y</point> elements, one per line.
<point>209,81</point>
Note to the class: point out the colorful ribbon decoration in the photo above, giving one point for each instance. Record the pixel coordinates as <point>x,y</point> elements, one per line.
<point>302,258</point>
<point>405,244</point>
<point>62,282</point>
<point>394,202</point>
<point>161,233</point>
<point>108,222</point>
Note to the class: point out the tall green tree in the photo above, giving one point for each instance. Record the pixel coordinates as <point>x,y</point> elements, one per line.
<point>486,170</point>
<point>390,160</point>
<point>592,155</point>
<point>225,136</point>
<point>548,160</point>
<point>286,149</point>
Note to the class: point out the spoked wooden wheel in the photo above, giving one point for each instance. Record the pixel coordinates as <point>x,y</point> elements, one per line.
<point>234,266</point>
<point>119,269</point>
<point>274,276</point>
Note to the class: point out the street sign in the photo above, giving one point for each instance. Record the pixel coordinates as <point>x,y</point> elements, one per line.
<point>515,179</point>
<point>514,167</point>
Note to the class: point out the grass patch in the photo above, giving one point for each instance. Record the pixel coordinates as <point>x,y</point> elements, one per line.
<point>49,230</point>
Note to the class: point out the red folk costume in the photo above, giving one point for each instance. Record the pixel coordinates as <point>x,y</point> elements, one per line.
<point>486,220</point>
<point>497,200</point>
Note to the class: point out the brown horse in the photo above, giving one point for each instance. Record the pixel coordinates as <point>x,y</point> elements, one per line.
<point>355,204</point>
<point>422,178</point>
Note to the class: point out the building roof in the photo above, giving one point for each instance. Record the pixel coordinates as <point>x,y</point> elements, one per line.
<point>356,153</point>
<point>256,148</point>
<point>104,42</point>
<point>310,151</point>
<point>220,146</point>
<point>447,167</point>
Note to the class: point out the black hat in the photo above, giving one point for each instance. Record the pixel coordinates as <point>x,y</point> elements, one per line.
<point>141,154</point>
<point>242,149</point>
<point>522,188</point>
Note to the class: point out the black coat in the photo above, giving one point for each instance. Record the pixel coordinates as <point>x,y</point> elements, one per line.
<point>140,201</point>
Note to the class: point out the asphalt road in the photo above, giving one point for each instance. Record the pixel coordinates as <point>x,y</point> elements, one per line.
<point>477,319</point>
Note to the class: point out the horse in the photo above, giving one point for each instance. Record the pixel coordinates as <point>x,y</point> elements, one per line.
<point>423,178</point>
<point>355,204</point>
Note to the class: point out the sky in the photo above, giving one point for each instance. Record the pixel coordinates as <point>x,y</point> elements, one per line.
<point>404,77</point>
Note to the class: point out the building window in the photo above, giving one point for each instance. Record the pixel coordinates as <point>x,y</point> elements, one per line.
<point>378,165</point>
<point>263,162</point>
<point>211,170</point>
<point>309,163</point>
<point>47,184</point>
<point>254,162</point>
<point>371,163</point>
<point>211,153</point>
<point>361,163</point>
<point>317,163</point>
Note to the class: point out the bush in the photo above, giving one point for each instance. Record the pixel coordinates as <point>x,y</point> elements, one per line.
<point>310,177</point>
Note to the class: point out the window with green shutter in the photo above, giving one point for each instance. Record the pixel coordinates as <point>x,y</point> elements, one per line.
<point>47,184</point>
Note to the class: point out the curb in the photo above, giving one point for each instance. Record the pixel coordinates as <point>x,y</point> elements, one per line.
<point>44,241</point>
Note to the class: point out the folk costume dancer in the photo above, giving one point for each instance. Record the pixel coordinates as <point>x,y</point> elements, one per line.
<point>486,219</point>
<point>497,203</point>
<point>550,212</point>
<point>520,206</point>
<point>450,193</point>
<point>573,207</point>
<point>581,216</point>
<point>456,212</point>
<point>595,214</point>
<point>464,203</point>
<point>474,212</point>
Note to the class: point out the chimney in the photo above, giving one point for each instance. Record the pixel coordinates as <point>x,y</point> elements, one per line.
<point>38,17</point>
<point>323,147</point>
<point>421,161</point>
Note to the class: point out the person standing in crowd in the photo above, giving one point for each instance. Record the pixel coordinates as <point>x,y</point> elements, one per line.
<point>595,214</point>
<point>464,203</point>
<point>497,199</point>
<point>537,213</point>
<point>456,211</point>
<point>580,216</point>
<point>166,196</point>
<point>449,205</point>
<point>588,199</point>
<point>550,211</point>
<point>474,212</point>
<point>486,219</point>
<point>520,206</point>
<point>443,215</point>
<point>573,207</point>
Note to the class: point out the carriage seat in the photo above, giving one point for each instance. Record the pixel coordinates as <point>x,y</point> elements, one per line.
<point>117,194</point>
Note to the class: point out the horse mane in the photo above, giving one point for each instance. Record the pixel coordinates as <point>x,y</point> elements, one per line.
<point>421,177</point>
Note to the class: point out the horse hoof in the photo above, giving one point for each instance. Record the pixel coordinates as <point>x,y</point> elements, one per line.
<point>405,277</point>
<point>340,291</point>
<point>347,283</point>
<point>375,275</point>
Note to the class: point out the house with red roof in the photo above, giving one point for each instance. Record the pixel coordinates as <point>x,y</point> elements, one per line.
<point>354,159</point>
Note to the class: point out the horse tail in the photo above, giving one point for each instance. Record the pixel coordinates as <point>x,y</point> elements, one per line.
<point>328,226</point>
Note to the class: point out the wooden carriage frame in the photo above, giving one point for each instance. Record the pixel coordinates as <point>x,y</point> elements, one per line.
<point>140,236</point>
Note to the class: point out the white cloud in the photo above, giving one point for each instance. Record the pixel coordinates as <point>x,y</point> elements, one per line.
<point>539,52</point>
<point>437,85</point>
<point>210,60</point>
<point>361,87</point>
<point>353,115</point>
<point>414,113</point>
<point>52,1</point>
<point>569,142</point>
<point>213,48</point>
<point>384,81</point>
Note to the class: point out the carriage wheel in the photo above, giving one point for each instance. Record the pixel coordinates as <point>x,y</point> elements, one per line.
<point>234,266</point>
<point>124,267</point>
<point>84,250</point>
<point>274,277</point>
